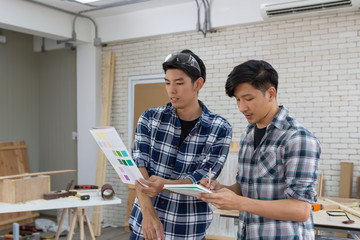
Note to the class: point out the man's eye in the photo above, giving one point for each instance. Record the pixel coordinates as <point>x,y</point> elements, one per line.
<point>167,83</point>
<point>179,83</point>
<point>249,99</point>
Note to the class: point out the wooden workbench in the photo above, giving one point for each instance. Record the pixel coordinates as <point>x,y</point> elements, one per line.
<point>322,221</point>
<point>79,207</point>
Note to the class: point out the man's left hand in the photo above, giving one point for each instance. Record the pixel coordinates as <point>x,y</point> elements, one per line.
<point>224,199</point>
<point>155,185</point>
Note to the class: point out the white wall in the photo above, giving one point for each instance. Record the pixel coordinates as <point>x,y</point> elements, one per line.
<point>175,19</point>
<point>318,60</point>
<point>40,21</point>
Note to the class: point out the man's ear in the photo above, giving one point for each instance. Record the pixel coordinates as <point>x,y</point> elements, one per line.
<point>199,83</point>
<point>272,93</point>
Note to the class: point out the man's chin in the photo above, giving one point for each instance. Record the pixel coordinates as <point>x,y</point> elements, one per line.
<point>175,105</point>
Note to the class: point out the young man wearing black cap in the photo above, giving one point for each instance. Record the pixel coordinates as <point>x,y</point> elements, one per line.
<point>177,144</point>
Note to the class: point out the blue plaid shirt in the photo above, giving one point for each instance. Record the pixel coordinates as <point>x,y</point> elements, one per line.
<point>283,166</point>
<point>156,148</point>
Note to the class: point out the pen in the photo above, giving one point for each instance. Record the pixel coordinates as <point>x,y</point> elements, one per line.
<point>209,177</point>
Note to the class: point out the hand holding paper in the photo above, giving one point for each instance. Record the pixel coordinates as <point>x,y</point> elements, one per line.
<point>224,199</point>
<point>155,185</point>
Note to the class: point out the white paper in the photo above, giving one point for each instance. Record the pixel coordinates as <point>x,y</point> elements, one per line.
<point>187,189</point>
<point>115,151</point>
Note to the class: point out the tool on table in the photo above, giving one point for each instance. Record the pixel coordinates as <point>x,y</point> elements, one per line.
<point>28,228</point>
<point>340,214</point>
<point>47,237</point>
<point>83,197</point>
<point>86,187</point>
<point>107,192</point>
<point>316,207</point>
<point>9,236</point>
<point>59,194</point>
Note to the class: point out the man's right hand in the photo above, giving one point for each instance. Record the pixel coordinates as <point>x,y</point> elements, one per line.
<point>215,185</point>
<point>152,227</point>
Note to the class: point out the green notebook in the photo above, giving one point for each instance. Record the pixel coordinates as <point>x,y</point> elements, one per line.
<point>187,189</point>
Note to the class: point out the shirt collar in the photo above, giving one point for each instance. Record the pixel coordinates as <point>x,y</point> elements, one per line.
<point>278,121</point>
<point>280,118</point>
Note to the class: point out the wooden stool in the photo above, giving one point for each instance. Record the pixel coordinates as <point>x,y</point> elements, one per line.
<point>79,213</point>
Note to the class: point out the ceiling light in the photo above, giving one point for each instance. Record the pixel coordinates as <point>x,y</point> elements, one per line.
<point>86,1</point>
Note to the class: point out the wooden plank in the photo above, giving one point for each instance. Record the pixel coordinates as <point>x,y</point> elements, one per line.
<point>321,185</point>
<point>104,121</point>
<point>14,161</point>
<point>358,187</point>
<point>18,217</point>
<point>30,190</point>
<point>36,174</point>
<point>344,208</point>
<point>130,204</point>
<point>234,147</point>
<point>346,179</point>
<point>2,148</point>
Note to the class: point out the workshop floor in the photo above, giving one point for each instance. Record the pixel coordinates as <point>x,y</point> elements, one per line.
<point>109,233</point>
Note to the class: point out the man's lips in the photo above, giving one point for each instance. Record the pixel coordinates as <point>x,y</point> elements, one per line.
<point>174,99</point>
<point>248,116</point>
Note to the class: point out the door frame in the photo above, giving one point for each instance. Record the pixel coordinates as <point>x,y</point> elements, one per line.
<point>132,81</point>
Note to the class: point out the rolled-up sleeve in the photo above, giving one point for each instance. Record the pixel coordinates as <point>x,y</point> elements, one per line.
<point>301,159</point>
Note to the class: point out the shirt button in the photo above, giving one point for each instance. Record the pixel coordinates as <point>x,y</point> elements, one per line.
<point>162,202</point>
<point>178,128</point>
<point>176,147</point>
<point>172,165</point>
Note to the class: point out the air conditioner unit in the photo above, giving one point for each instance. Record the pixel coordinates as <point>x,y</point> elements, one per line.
<point>280,8</point>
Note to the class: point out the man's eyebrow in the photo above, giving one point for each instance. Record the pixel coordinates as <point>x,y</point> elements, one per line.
<point>178,79</point>
<point>247,95</point>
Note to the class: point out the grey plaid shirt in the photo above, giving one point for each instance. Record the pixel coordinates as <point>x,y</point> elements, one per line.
<point>283,166</point>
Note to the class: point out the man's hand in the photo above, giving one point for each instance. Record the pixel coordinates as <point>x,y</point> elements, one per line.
<point>224,199</point>
<point>155,185</point>
<point>215,185</point>
<point>152,227</point>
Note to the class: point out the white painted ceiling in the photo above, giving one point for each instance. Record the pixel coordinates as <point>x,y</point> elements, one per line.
<point>108,7</point>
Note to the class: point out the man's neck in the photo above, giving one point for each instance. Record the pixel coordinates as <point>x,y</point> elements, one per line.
<point>190,113</point>
<point>270,116</point>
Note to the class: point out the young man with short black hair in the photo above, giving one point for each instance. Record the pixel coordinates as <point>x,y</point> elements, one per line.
<point>277,164</point>
<point>177,144</point>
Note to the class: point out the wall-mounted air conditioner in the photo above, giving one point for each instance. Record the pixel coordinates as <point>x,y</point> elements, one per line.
<point>281,8</point>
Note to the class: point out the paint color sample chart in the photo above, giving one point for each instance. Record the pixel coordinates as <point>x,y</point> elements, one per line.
<point>115,151</point>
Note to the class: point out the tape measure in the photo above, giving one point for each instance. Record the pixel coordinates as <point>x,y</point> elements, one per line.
<point>83,197</point>
<point>316,207</point>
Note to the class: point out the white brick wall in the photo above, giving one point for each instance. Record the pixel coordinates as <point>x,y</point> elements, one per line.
<point>318,60</point>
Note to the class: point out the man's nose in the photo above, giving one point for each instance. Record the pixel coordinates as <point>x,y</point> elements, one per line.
<point>242,106</point>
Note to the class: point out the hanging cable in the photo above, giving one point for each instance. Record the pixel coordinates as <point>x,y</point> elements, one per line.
<point>97,40</point>
<point>207,22</point>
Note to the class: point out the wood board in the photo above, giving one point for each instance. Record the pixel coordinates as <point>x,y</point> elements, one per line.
<point>346,179</point>
<point>14,160</point>
<point>358,187</point>
<point>24,189</point>
<point>104,121</point>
